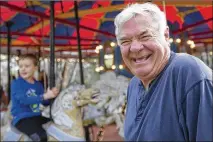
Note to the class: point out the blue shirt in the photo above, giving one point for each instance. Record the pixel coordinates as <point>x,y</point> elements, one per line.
<point>26,98</point>
<point>176,107</point>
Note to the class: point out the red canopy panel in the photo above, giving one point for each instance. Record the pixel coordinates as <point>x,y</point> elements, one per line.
<point>206,13</point>
<point>172,15</point>
<point>7,14</point>
<point>92,23</point>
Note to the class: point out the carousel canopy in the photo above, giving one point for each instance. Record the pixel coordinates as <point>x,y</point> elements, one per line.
<point>30,30</point>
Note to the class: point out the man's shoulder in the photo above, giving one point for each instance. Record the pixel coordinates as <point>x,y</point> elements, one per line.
<point>188,64</point>
<point>189,61</point>
<point>184,59</point>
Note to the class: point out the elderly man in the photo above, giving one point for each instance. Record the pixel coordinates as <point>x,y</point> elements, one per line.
<point>170,96</point>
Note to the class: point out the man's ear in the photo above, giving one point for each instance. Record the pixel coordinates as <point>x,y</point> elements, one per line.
<point>166,33</point>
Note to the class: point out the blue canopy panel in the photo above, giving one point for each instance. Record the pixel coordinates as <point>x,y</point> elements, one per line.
<point>57,41</point>
<point>107,26</point>
<point>117,2</point>
<point>200,28</point>
<point>61,41</point>
<point>45,2</point>
<point>184,9</point>
<point>3,28</point>
<point>193,18</point>
<point>111,14</point>
<point>37,8</point>
<point>22,21</point>
<point>63,30</point>
<point>46,41</point>
<point>83,5</point>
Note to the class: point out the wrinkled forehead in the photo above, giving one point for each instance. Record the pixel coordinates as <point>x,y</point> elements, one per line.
<point>136,25</point>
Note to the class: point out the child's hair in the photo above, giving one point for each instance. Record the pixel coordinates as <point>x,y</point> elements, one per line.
<point>29,56</point>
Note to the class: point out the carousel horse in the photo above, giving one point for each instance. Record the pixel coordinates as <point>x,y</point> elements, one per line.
<point>112,101</point>
<point>67,122</point>
<point>102,103</point>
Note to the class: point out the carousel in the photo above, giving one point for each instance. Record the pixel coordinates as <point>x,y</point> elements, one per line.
<point>77,52</point>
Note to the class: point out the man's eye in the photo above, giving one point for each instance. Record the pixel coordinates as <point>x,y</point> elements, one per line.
<point>144,37</point>
<point>126,42</point>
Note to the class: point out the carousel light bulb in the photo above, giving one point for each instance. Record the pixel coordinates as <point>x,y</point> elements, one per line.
<point>100,47</point>
<point>96,51</point>
<point>192,46</point>
<point>178,40</point>
<point>58,60</point>
<point>97,69</point>
<point>82,60</point>
<point>113,67</point>
<point>121,66</point>
<point>112,44</point>
<point>94,60</point>
<point>189,42</point>
<point>101,68</point>
<point>210,53</point>
<point>97,47</point>
<point>3,57</point>
<point>171,40</point>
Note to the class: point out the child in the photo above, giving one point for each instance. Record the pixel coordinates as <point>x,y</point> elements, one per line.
<point>26,95</point>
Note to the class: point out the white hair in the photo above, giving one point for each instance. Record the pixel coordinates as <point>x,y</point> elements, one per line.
<point>158,17</point>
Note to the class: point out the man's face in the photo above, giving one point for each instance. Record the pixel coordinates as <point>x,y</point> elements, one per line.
<point>143,48</point>
<point>27,68</point>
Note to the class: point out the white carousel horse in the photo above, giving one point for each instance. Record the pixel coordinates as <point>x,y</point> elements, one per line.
<point>112,98</point>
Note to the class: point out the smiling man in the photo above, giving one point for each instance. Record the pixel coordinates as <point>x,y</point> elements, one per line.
<point>170,96</point>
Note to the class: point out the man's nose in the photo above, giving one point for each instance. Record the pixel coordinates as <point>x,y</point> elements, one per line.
<point>136,46</point>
